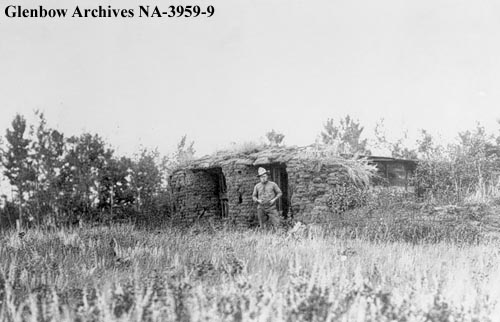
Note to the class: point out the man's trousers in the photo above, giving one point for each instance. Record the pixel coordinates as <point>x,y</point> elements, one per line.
<point>268,215</point>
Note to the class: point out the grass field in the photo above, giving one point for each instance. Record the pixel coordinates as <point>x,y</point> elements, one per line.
<point>124,274</point>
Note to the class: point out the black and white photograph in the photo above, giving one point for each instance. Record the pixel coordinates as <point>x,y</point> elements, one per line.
<point>250,160</point>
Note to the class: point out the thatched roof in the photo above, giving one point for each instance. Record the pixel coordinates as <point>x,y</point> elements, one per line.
<point>357,167</point>
<point>270,154</point>
<point>252,157</point>
<point>360,168</point>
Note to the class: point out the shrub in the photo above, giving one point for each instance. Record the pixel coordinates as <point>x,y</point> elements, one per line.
<point>346,196</point>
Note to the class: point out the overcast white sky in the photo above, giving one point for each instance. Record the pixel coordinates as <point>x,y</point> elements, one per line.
<point>253,66</point>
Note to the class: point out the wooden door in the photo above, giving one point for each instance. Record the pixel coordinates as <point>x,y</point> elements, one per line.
<point>279,176</point>
<point>224,204</point>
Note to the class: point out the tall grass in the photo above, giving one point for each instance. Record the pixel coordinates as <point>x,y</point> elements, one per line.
<point>124,274</point>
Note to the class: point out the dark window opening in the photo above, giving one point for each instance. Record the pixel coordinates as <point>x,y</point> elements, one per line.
<point>240,198</point>
<point>393,173</point>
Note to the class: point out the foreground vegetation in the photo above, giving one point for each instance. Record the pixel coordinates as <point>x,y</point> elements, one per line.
<point>121,273</point>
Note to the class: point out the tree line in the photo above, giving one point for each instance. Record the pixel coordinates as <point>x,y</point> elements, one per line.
<point>64,180</point>
<point>465,170</point>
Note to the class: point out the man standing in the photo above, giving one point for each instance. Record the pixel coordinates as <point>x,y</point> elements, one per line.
<point>266,193</point>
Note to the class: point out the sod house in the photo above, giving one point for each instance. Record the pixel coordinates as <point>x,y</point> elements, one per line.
<point>220,186</point>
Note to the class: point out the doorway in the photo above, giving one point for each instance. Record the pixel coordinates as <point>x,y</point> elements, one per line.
<point>211,185</point>
<point>279,175</point>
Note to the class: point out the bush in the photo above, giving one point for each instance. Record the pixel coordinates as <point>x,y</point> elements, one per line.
<point>392,215</point>
<point>346,196</point>
<point>453,175</point>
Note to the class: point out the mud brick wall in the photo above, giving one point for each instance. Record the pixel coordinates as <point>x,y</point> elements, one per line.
<point>309,188</point>
<point>240,180</point>
<point>195,196</point>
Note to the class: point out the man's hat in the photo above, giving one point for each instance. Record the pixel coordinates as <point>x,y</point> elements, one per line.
<point>262,172</point>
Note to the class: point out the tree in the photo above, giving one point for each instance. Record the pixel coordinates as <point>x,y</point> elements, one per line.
<point>462,169</point>
<point>147,179</point>
<point>346,135</point>
<point>397,149</point>
<point>427,147</point>
<point>18,166</point>
<point>80,180</point>
<point>147,175</point>
<point>48,149</point>
<point>116,195</point>
<point>274,138</point>
<point>380,140</point>
<point>474,166</point>
<point>184,153</point>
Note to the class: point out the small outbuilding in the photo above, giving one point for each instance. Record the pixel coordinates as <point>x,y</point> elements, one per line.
<point>220,186</point>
